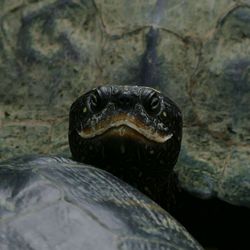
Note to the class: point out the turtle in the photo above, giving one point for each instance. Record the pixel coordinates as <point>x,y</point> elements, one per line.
<point>56,203</point>
<point>134,132</point>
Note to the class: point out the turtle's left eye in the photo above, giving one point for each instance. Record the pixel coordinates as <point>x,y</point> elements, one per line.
<point>96,102</point>
<point>151,103</point>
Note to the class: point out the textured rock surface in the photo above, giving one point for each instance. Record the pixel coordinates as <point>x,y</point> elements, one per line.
<point>197,52</point>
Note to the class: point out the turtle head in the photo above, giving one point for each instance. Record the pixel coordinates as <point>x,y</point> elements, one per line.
<point>121,127</point>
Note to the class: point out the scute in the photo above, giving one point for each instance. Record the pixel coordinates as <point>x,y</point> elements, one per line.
<point>215,161</point>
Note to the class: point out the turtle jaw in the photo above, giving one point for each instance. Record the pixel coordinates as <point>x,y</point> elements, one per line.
<point>125,129</point>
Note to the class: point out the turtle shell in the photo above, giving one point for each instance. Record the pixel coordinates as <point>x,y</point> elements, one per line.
<point>196,52</point>
<point>55,203</point>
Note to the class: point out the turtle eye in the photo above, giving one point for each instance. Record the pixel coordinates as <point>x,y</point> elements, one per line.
<point>95,101</point>
<point>151,103</point>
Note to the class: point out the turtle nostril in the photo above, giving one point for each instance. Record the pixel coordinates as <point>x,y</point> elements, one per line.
<point>124,101</point>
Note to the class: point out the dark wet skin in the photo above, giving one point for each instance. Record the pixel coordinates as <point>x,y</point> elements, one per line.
<point>134,151</point>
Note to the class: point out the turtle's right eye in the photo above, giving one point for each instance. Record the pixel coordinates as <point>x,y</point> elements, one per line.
<point>96,102</point>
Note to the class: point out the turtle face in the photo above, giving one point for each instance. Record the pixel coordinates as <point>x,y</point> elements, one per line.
<point>125,129</point>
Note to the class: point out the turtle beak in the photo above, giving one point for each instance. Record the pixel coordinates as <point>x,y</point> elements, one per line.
<point>124,126</point>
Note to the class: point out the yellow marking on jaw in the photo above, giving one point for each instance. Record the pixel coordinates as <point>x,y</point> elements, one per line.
<point>84,110</point>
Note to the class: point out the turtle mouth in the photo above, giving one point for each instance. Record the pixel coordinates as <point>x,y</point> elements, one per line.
<point>124,127</point>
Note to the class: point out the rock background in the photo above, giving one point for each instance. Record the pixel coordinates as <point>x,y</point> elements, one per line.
<point>197,52</point>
